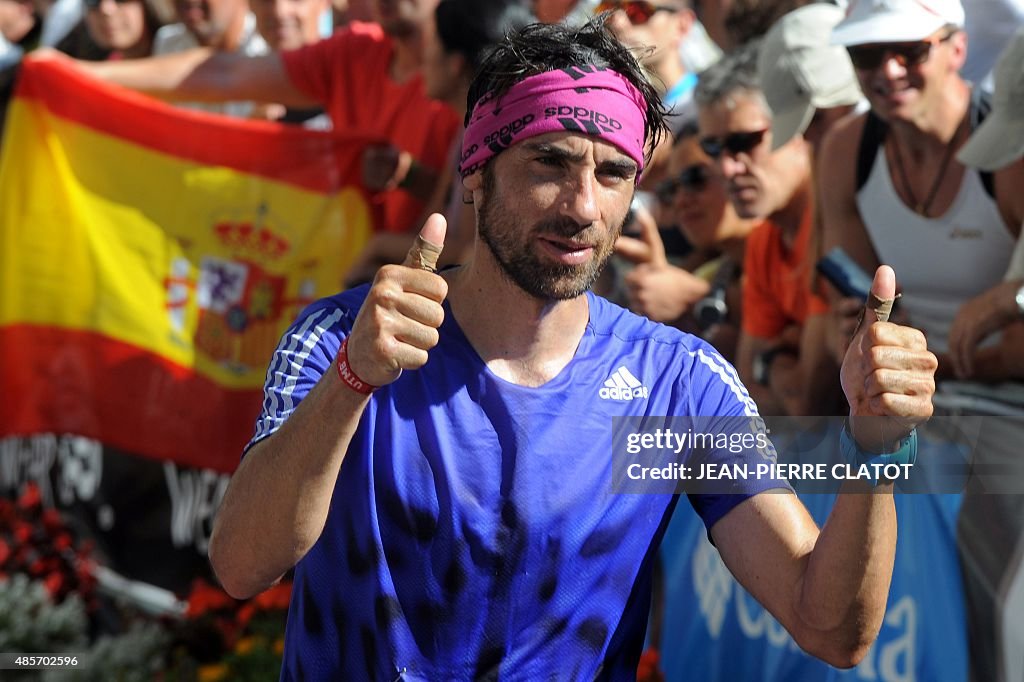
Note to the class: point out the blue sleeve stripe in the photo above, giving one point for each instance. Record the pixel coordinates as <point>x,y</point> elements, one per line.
<point>730,379</point>
<point>281,383</point>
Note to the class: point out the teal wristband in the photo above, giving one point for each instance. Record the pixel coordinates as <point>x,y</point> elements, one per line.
<point>906,453</point>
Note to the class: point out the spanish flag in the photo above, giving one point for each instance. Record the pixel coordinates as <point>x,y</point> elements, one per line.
<point>150,258</point>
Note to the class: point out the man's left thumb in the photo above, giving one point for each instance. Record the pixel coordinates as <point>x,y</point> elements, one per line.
<point>880,299</point>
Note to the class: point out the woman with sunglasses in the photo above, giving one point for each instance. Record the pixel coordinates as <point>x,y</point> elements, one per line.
<point>693,198</point>
<point>656,31</point>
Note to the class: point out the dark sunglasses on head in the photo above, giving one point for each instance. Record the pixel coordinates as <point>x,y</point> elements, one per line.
<point>734,143</point>
<point>637,11</point>
<point>870,57</point>
<point>693,179</point>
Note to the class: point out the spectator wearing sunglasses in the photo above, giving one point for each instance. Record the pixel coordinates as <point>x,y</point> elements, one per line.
<point>693,199</point>
<point>656,31</point>
<point>774,186</point>
<point>893,191</point>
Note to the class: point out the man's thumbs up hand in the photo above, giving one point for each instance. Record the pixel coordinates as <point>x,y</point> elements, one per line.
<point>428,245</point>
<point>398,322</point>
<point>887,372</point>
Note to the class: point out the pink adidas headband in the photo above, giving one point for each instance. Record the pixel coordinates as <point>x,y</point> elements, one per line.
<point>587,100</point>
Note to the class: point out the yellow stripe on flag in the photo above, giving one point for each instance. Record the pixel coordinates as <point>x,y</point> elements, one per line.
<point>202,265</point>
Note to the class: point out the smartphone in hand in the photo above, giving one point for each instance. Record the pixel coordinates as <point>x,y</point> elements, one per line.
<point>844,274</point>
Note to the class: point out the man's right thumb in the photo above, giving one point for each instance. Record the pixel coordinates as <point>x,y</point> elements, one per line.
<point>429,243</point>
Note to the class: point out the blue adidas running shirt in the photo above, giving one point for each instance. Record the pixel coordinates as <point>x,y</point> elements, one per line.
<point>473,532</point>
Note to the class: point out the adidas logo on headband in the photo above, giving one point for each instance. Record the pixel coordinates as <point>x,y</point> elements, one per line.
<point>593,122</point>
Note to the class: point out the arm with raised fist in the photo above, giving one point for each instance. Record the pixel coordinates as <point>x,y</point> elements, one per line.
<point>200,75</point>
<point>828,587</point>
<point>277,502</point>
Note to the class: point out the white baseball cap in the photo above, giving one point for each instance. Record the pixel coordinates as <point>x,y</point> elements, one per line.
<point>999,140</point>
<point>800,71</point>
<point>895,21</point>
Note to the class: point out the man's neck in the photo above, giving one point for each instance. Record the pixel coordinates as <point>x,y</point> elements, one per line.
<point>523,340</point>
<point>937,124</point>
<point>735,249</point>
<point>791,216</point>
<point>670,72</point>
<point>141,49</point>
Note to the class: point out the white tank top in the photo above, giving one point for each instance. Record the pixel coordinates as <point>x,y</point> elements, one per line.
<point>940,262</point>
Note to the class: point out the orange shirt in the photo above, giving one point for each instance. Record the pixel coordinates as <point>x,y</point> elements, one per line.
<point>349,74</point>
<point>777,284</point>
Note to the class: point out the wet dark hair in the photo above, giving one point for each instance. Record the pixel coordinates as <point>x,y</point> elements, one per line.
<point>539,48</point>
<point>471,27</point>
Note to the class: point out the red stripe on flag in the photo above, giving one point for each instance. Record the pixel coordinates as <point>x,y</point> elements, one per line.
<point>315,159</point>
<point>78,382</point>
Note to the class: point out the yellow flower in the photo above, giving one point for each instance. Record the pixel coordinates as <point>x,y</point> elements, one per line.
<point>279,646</point>
<point>245,645</point>
<point>214,672</point>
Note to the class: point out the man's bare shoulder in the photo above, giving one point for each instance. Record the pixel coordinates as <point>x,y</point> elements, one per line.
<point>840,143</point>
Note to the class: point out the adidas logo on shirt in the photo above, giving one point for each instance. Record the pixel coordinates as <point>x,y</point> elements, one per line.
<point>622,385</point>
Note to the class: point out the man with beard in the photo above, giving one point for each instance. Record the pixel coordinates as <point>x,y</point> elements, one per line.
<point>367,77</point>
<point>432,456</point>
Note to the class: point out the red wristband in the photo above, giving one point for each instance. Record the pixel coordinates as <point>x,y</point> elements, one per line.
<point>348,376</point>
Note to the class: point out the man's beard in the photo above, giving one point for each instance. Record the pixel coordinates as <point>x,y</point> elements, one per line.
<point>512,246</point>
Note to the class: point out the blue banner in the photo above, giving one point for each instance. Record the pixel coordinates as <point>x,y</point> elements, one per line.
<point>712,629</point>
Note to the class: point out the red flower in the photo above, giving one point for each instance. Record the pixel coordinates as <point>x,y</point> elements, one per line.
<point>39,567</point>
<point>277,597</point>
<point>30,497</point>
<point>22,532</point>
<point>52,520</point>
<point>245,614</point>
<point>62,541</point>
<point>206,597</point>
<point>54,584</point>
